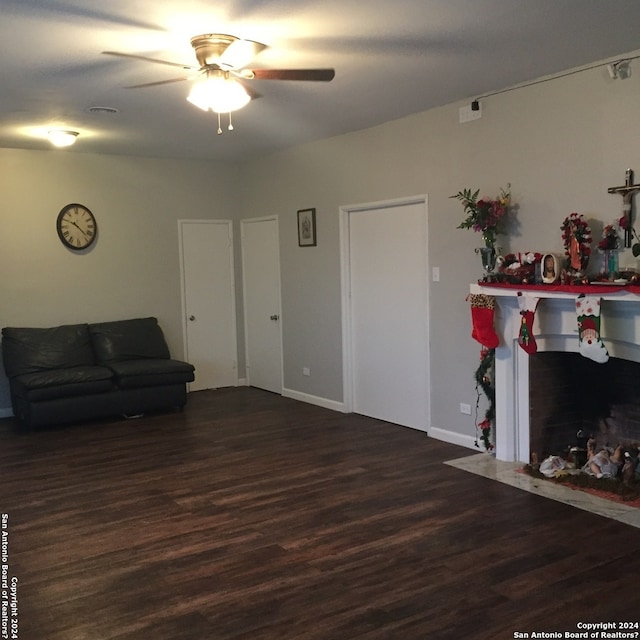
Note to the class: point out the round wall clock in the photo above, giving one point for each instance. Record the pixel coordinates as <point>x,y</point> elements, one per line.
<point>76,226</point>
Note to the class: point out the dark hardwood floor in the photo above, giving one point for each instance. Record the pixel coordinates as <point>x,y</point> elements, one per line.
<point>253,516</point>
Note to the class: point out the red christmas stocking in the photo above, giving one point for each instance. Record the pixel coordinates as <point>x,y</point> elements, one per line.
<point>482,313</point>
<point>528,306</point>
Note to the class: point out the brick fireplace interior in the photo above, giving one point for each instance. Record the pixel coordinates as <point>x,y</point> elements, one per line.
<point>569,393</point>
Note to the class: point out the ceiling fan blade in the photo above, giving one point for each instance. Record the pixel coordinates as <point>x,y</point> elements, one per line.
<point>155,84</point>
<point>310,75</point>
<point>136,57</point>
<point>240,53</point>
<point>64,10</point>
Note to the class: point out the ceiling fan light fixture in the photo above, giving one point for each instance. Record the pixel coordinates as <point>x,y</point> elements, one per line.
<point>62,137</point>
<point>219,94</point>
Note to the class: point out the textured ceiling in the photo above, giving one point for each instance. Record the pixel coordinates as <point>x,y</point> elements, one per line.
<point>392,58</point>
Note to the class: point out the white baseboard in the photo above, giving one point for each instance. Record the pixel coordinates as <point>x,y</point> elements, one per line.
<point>6,413</point>
<point>316,400</point>
<point>454,438</point>
<point>242,382</point>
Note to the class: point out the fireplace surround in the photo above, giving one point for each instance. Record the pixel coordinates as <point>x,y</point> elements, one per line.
<point>555,330</point>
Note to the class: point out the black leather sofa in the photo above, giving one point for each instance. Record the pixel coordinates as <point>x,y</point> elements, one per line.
<point>80,372</point>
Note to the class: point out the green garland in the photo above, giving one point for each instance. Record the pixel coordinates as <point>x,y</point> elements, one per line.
<point>484,382</point>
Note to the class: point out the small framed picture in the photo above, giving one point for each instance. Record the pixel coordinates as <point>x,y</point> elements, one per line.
<point>307,228</point>
<point>550,271</point>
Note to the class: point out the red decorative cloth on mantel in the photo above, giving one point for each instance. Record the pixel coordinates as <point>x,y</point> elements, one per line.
<point>593,288</point>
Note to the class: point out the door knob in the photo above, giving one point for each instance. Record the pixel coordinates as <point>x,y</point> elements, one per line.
<point>275,317</point>
<point>192,318</point>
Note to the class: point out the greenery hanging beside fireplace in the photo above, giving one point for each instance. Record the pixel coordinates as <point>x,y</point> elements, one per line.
<point>485,384</point>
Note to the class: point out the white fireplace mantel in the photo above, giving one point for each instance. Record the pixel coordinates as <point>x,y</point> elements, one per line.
<point>555,329</point>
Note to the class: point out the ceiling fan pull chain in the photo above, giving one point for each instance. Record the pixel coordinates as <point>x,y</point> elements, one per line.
<point>219,127</point>
<point>230,127</point>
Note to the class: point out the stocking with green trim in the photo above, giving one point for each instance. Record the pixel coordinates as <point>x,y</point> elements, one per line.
<point>528,306</point>
<point>482,313</point>
<point>588,313</point>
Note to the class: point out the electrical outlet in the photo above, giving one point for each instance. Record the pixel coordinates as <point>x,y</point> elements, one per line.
<point>465,408</point>
<point>306,371</point>
<point>435,274</point>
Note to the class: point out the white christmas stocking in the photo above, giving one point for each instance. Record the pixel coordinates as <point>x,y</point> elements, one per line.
<point>588,313</point>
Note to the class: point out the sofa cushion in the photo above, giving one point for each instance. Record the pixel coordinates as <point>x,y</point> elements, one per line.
<point>29,350</point>
<point>134,339</point>
<point>62,383</point>
<point>130,374</point>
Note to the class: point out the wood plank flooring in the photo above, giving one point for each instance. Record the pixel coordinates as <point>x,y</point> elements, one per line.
<point>253,516</point>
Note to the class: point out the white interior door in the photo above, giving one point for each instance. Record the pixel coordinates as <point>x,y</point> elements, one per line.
<point>261,278</point>
<point>208,292</point>
<point>388,312</point>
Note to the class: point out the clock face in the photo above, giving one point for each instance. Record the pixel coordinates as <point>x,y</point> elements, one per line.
<point>76,226</point>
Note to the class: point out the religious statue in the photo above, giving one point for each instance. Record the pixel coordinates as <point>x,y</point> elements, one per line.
<point>627,191</point>
<point>575,259</point>
<point>576,234</point>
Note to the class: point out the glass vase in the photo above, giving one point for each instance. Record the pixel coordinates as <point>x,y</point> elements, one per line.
<point>488,254</point>
<point>609,268</point>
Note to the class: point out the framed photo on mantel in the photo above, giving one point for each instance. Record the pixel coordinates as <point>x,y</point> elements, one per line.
<point>307,228</point>
<point>550,268</point>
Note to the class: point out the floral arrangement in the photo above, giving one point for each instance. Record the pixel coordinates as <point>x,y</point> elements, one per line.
<point>486,215</point>
<point>576,235</point>
<point>610,238</point>
<point>514,260</point>
<point>518,268</point>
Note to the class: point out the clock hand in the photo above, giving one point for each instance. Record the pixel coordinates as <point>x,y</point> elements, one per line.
<point>75,224</point>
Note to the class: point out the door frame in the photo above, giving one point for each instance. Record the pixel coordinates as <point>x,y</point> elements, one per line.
<point>183,288</point>
<point>247,358</point>
<point>345,277</point>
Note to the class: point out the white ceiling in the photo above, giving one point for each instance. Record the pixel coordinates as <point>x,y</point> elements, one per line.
<point>392,58</point>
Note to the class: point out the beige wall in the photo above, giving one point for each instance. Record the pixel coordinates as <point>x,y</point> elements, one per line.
<point>133,267</point>
<point>559,143</point>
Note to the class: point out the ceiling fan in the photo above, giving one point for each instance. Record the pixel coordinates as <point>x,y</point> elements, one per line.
<point>222,72</point>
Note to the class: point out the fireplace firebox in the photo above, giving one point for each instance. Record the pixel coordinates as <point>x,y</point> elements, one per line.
<point>572,398</point>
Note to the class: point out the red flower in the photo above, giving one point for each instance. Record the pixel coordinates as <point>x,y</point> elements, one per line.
<point>486,215</point>
<point>610,238</point>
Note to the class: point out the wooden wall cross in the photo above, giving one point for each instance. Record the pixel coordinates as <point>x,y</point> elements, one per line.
<point>627,191</point>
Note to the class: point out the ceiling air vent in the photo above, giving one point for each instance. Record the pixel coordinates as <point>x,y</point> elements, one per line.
<point>102,110</point>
